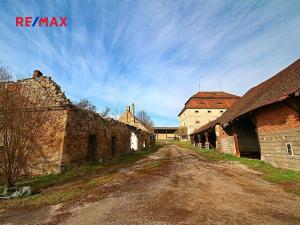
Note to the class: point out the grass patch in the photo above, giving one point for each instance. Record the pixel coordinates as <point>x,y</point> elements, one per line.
<point>74,183</point>
<point>272,174</point>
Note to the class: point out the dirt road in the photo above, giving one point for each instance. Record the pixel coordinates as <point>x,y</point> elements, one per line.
<point>181,188</point>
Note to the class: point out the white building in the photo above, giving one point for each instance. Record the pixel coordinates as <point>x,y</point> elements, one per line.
<point>204,107</point>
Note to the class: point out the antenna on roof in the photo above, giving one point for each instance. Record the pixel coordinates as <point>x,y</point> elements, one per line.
<point>220,85</point>
<point>199,85</point>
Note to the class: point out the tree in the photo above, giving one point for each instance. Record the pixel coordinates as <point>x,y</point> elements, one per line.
<point>145,119</point>
<point>105,112</point>
<point>86,104</point>
<point>24,115</point>
<point>182,132</point>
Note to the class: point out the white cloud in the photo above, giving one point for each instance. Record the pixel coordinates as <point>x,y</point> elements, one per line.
<point>153,53</point>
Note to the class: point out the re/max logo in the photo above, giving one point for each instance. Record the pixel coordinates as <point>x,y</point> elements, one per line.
<point>29,21</point>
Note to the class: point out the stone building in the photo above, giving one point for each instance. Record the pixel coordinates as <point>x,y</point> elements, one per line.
<point>263,124</point>
<point>204,107</point>
<point>75,135</point>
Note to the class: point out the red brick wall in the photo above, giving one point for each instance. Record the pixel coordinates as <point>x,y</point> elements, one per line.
<point>278,125</point>
<point>225,142</point>
<point>277,117</point>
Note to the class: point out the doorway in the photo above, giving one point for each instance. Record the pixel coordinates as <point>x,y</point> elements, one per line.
<point>133,142</point>
<point>91,149</point>
<point>113,146</point>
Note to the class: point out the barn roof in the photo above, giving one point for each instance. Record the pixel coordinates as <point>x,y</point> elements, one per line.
<point>275,89</point>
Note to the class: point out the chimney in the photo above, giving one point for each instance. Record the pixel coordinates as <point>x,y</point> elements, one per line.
<point>132,109</point>
<point>128,108</point>
<point>37,74</point>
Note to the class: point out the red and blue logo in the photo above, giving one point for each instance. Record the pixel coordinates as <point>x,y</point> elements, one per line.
<point>30,21</point>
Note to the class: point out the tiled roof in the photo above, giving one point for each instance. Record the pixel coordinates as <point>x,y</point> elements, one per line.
<point>205,127</point>
<point>210,100</point>
<point>275,89</point>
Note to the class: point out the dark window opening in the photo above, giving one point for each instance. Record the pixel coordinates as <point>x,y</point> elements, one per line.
<point>91,154</point>
<point>209,111</point>
<point>113,146</point>
<point>221,111</point>
<point>289,149</point>
<point>196,111</point>
<point>197,121</point>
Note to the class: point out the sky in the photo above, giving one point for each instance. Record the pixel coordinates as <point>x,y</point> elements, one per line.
<point>153,53</point>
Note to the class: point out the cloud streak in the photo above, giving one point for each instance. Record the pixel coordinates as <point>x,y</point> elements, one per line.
<point>153,53</point>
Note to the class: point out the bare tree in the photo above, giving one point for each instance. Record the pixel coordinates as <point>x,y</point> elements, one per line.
<point>182,132</point>
<point>86,104</point>
<point>145,119</point>
<point>105,112</point>
<point>23,119</point>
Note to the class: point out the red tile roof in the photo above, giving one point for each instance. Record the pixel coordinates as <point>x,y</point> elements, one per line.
<point>275,89</point>
<point>210,100</point>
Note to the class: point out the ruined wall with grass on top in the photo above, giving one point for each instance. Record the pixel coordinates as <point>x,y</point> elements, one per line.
<point>89,137</point>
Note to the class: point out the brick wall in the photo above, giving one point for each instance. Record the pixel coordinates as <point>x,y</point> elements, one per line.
<point>225,142</point>
<point>278,125</point>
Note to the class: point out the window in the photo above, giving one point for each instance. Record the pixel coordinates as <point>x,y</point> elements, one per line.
<point>196,111</point>
<point>197,121</point>
<point>289,149</point>
<point>209,111</point>
<point>221,111</point>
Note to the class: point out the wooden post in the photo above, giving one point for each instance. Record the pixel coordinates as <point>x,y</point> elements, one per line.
<point>236,144</point>
<point>206,140</point>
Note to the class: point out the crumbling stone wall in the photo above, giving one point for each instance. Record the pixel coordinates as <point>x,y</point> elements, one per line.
<point>81,124</point>
<point>45,102</point>
<point>71,131</point>
<point>279,125</point>
<point>47,158</point>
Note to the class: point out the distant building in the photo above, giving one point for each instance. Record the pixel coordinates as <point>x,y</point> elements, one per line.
<point>165,133</point>
<point>128,117</point>
<point>204,107</point>
<point>137,141</point>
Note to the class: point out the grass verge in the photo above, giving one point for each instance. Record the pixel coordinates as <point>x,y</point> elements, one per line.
<point>75,183</point>
<point>288,179</point>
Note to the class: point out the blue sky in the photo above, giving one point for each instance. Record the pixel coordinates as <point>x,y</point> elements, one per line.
<point>153,53</point>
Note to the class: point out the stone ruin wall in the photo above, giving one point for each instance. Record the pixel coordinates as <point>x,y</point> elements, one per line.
<point>65,140</point>
<point>80,125</point>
